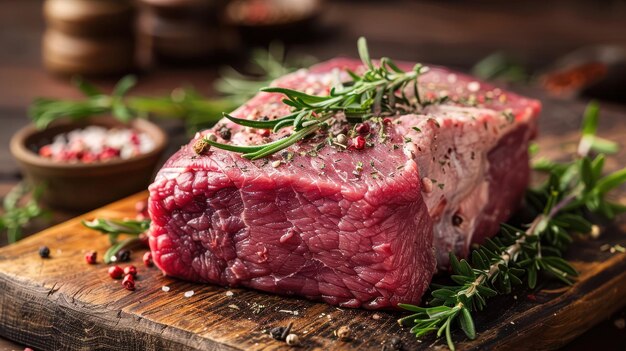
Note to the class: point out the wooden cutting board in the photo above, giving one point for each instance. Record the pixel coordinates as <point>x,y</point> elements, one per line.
<point>63,303</point>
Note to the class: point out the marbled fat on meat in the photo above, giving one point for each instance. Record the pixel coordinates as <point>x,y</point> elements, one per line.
<point>354,228</point>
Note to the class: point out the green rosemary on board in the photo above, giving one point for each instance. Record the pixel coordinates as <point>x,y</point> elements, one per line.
<point>519,255</point>
<point>114,228</point>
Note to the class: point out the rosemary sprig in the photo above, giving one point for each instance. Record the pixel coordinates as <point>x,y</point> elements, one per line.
<point>265,66</point>
<point>114,228</point>
<point>379,91</point>
<point>562,205</point>
<point>498,66</point>
<point>17,213</point>
<point>117,226</point>
<point>183,103</point>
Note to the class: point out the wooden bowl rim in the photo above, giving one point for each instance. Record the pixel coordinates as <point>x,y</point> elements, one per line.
<point>23,154</point>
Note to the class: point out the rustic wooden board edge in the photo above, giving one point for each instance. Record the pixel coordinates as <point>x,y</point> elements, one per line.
<point>44,310</point>
<point>36,294</point>
<point>50,316</point>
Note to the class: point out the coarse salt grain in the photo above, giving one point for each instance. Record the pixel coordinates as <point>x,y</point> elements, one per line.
<point>229,293</point>
<point>295,313</point>
<point>189,293</point>
<point>473,86</point>
<point>165,288</point>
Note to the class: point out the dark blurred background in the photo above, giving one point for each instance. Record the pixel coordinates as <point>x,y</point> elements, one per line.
<point>535,36</point>
<point>559,51</point>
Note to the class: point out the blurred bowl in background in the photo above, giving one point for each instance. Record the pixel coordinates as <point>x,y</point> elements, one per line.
<point>67,55</point>
<point>89,18</point>
<point>183,31</point>
<point>266,20</point>
<point>85,186</point>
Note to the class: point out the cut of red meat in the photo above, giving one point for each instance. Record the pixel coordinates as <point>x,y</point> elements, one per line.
<point>354,227</point>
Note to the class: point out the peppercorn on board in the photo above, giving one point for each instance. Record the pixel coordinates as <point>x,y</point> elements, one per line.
<point>64,303</point>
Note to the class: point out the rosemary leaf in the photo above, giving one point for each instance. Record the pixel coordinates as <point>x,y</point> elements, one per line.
<point>117,226</point>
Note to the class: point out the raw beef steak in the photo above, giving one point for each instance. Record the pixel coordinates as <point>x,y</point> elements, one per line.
<point>354,228</point>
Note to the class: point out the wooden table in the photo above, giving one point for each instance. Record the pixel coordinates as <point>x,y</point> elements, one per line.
<point>450,33</point>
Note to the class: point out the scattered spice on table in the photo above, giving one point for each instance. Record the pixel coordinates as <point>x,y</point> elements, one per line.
<point>116,272</point>
<point>130,270</point>
<point>44,252</point>
<point>292,340</point>
<point>280,333</point>
<point>129,282</point>
<point>122,256</point>
<point>343,333</point>
<point>617,248</point>
<point>91,257</point>
<point>189,293</point>
<point>257,307</point>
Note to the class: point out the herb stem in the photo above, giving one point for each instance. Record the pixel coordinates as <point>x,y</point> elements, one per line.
<point>513,250</point>
<point>379,91</point>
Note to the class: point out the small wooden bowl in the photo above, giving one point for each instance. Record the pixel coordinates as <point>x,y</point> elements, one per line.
<point>80,186</point>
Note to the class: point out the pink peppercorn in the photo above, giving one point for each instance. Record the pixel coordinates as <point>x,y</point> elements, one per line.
<point>129,282</point>
<point>89,157</point>
<point>359,142</point>
<point>45,151</point>
<point>109,153</point>
<point>116,272</point>
<point>363,129</point>
<point>91,257</point>
<point>134,139</point>
<point>130,270</point>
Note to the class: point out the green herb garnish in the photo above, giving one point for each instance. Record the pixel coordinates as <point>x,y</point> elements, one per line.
<point>497,66</point>
<point>520,254</point>
<point>18,211</point>
<point>118,226</point>
<point>114,228</point>
<point>183,103</point>
<point>379,91</point>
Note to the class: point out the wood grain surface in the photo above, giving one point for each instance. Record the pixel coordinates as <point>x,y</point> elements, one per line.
<point>63,303</point>
<point>450,33</point>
